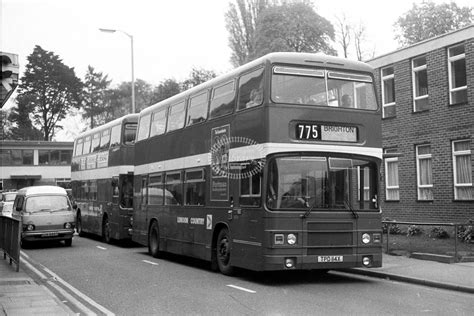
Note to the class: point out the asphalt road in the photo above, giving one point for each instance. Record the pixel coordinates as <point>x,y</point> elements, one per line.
<point>125,280</point>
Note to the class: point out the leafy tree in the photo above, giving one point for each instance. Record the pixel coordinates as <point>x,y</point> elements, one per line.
<point>166,89</point>
<point>21,127</point>
<point>196,77</point>
<point>49,89</point>
<point>95,97</point>
<point>241,20</point>
<point>428,19</point>
<point>293,27</point>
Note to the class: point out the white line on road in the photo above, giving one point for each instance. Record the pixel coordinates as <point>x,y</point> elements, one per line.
<point>101,248</point>
<point>72,299</point>
<point>30,266</point>
<point>241,288</point>
<point>150,262</point>
<point>79,293</point>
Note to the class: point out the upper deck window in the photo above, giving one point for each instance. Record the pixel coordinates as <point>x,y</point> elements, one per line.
<point>95,142</point>
<point>87,145</point>
<point>78,149</point>
<point>130,133</point>
<point>311,87</point>
<point>115,135</point>
<point>176,116</point>
<point>105,139</point>
<point>223,98</point>
<point>197,111</point>
<point>144,128</point>
<point>158,123</point>
<point>251,89</point>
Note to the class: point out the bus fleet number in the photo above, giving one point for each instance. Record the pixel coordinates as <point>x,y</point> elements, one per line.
<point>308,131</point>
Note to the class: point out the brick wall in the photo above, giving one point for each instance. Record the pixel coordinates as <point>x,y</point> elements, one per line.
<point>438,126</point>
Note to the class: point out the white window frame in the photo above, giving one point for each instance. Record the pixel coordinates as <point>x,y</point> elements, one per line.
<point>392,188</point>
<point>420,186</point>
<point>383,79</point>
<point>451,60</point>
<point>454,155</point>
<point>414,71</point>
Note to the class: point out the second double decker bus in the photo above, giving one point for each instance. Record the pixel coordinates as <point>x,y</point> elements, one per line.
<point>273,166</point>
<point>102,179</point>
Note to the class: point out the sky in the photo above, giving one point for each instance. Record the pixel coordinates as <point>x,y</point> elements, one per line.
<point>170,37</point>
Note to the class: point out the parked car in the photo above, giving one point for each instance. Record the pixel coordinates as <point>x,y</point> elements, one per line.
<point>6,204</point>
<point>46,214</point>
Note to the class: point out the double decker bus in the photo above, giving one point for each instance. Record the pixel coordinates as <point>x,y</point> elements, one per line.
<point>102,179</point>
<point>273,166</point>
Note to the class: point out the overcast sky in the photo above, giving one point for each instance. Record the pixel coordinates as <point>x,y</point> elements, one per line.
<point>170,37</point>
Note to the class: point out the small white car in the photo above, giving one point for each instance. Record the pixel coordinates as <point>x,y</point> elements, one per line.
<point>46,214</point>
<point>6,204</point>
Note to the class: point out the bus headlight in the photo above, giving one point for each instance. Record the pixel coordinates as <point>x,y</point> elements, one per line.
<point>29,227</point>
<point>67,225</point>
<point>365,238</point>
<point>291,239</point>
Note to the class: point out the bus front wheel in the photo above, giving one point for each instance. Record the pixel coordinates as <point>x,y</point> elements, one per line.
<point>79,224</point>
<point>154,240</point>
<point>223,252</point>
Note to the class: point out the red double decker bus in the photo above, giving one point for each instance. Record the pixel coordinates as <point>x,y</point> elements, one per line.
<point>102,179</point>
<point>273,166</point>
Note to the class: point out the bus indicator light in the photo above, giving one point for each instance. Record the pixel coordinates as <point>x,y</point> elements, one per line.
<point>279,239</point>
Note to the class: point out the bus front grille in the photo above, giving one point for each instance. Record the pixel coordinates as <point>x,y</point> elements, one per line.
<point>329,238</point>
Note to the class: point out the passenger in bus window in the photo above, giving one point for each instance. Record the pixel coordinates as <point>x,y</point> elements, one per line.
<point>256,98</point>
<point>346,101</point>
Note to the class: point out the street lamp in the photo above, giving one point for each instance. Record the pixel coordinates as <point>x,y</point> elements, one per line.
<point>133,75</point>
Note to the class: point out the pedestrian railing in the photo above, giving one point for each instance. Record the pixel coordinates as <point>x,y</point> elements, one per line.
<point>388,223</point>
<point>10,238</point>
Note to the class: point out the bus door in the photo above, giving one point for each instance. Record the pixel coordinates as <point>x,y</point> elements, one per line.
<point>140,210</point>
<point>245,216</point>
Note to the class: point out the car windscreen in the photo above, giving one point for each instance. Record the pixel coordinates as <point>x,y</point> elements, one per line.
<point>46,203</point>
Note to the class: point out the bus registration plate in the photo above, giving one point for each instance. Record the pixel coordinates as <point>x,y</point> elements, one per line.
<point>51,234</point>
<point>330,258</point>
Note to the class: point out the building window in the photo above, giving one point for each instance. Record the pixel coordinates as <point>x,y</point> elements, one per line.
<point>420,84</point>
<point>54,157</point>
<point>388,92</point>
<point>424,172</point>
<point>462,166</point>
<point>457,75</point>
<point>16,157</point>
<point>392,189</point>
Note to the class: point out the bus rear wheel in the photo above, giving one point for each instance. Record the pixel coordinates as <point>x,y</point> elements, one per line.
<point>223,252</point>
<point>154,240</point>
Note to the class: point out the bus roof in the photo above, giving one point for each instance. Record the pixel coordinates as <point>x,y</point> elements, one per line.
<point>128,118</point>
<point>291,58</point>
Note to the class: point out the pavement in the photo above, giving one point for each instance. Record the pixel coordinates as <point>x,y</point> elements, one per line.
<point>20,294</point>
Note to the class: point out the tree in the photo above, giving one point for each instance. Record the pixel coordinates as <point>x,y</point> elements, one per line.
<point>49,89</point>
<point>429,19</point>
<point>196,77</point>
<point>95,97</point>
<point>166,89</point>
<point>21,127</point>
<point>293,27</point>
<point>241,20</point>
<point>343,33</point>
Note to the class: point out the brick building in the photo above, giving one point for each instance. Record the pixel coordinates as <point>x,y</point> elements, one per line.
<point>427,94</point>
<point>27,163</point>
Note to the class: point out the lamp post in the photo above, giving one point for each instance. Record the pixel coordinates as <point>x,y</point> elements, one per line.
<point>133,74</point>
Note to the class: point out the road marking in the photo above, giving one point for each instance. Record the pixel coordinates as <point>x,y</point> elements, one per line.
<point>241,288</point>
<point>30,266</point>
<point>78,293</point>
<point>150,262</point>
<point>72,299</point>
<point>101,248</point>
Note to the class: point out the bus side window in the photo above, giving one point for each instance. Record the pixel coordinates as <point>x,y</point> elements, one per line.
<point>195,187</point>
<point>173,189</point>
<point>250,184</point>
<point>197,109</point>
<point>223,99</point>
<point>251,89</point>
<point>176,116</point>
<point>115,190</point>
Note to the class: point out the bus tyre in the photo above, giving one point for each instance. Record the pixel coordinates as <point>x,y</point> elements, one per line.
<point>154,240</point>
<point>106,230</point>
<point>68,242</point>
<point>79,224</point>
<point>223,252</point>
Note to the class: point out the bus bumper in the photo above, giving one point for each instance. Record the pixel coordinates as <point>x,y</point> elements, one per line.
<point>314,262</point>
